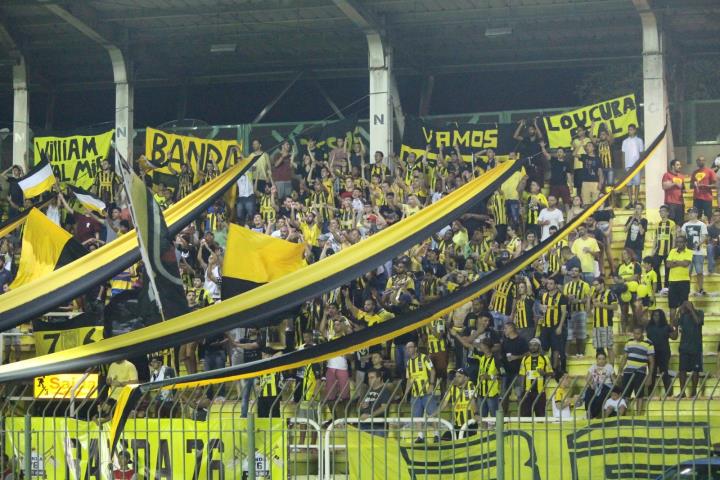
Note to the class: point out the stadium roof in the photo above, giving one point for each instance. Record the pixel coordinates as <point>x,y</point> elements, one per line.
<point>174,41</point>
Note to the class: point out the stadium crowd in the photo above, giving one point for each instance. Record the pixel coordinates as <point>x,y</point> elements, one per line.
<point>504,346</point>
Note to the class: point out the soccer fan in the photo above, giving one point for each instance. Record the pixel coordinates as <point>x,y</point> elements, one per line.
<point>535,368</point>
<point>639,361</point>
<point>632,148</point>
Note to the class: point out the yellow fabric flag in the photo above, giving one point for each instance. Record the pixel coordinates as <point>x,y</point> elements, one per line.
<point>254,258</point>
<point>45,248</point>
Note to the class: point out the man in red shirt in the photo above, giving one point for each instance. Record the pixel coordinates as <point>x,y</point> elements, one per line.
<point>702,181</point>
<point>674,186</point>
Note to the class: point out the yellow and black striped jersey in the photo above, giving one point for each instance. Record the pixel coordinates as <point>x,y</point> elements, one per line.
<point>418,373</point>
<point>553,303</point>
<point>603,317</point>
<point>581,291</point>
<point>502,300</point>
<point>665,237</point>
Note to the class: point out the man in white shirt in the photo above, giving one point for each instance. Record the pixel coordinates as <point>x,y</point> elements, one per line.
<point>696,233</point>
<point>550,216</point>
<point>632,147</point>
<point>245,205</point>
<point>261,167</point>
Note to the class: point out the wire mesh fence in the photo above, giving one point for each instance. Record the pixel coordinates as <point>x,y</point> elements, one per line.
<point>373,432</point>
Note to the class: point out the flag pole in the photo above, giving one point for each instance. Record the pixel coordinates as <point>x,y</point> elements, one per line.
<point>126,175</point>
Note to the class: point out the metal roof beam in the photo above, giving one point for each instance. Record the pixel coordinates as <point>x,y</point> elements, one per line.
<point>360,16</point>
<point>86,20</point>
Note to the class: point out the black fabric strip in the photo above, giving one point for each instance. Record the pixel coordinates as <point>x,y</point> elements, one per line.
<point>71,251</point>
<point>269,309</point>
<point>235,286</point>
<point>83,320</point>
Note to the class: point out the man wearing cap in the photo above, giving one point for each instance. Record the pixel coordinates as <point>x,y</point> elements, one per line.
<point>534,369</point>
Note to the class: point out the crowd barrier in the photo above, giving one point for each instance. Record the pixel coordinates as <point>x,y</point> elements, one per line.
<point>200,433</point>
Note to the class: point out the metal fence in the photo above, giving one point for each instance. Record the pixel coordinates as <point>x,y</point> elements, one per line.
<point>201,433</point>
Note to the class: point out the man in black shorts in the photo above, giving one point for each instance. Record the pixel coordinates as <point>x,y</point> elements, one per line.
<point>690,324</point>
<point>678,261</point>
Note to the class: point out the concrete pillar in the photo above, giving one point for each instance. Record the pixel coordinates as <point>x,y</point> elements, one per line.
<point>21,114</point>
<point>656,107</point>
<point>381,107</point>
<point>124,104</point>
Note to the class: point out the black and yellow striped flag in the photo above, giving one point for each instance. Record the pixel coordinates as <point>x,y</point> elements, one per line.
<point>253,259</point>
<point>45,248</point>
<point>157,250</point>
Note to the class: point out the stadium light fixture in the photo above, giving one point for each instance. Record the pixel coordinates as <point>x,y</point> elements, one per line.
<point>498,31</point>
<point>223,47</point>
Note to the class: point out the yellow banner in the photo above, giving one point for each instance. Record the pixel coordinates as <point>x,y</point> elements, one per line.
<point>74,159</point>
<point>51,341</point>
<point>637,447</point>
<point>616,114</point>
<point>170,151</point>
<point>61,385</point>
<point>167,449</point>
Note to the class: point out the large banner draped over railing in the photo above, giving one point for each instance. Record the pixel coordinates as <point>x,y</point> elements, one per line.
<point>274,297</point>
<point>576,450</point>
<point>75,159</point>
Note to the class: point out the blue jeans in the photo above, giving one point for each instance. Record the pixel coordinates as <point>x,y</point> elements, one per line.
<point>245,209</point>
<point>712,250</point>
<point>215,360</point>
<point>400,360</point>
<point>487,406</point>
<point>425,405</point>
<point>247,388</point>
<point>513,211</point>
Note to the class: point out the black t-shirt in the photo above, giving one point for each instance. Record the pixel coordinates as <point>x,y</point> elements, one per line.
<point>634,238</point>
<point>16,193</point>
<point>251,355</point>
<point>591,168</point>
<point>515,346</point>
<point>659,336</point>
<point>385,210</point>
<point>373,400</point>
<point>558,172</point>
<point>598,235</point>
<point>529,147</point>
<point>355,160</point>
<point>713,232</point>
<point>213,343</point>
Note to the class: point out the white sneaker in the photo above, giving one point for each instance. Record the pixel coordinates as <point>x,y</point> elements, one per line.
<point>664,291</point>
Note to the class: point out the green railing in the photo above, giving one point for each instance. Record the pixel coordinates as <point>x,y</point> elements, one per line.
<point>201,433</point>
